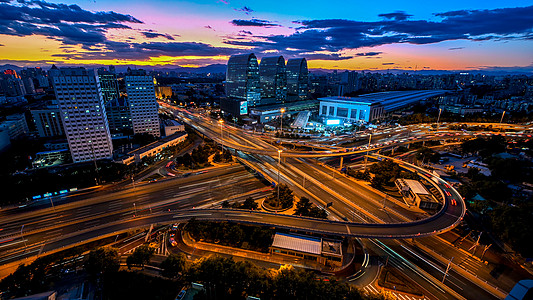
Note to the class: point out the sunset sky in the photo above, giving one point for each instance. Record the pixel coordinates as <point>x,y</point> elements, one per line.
<point>334,34</point>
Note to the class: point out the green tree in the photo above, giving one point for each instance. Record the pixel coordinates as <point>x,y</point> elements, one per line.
<point>102,261</point>
<point>286,197</point>
<point>249,203</point>
<point>303,207</point>
<point>140,256</point>
<point>227,155</point>
<point>217,157</point>
<point>173,265</point>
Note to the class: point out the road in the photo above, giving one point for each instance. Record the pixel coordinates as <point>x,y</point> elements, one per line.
<point>28,231</point>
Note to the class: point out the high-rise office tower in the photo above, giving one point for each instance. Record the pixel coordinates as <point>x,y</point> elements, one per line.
<point>273,76</point>
<point>119,115</point>
<point>242,79</point>
<point>143,105</point>
<point>108,84</point>
<point>297,79</point>
<point>83,113</point>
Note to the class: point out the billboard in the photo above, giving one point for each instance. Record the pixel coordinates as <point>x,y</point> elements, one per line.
<point>243,108</point>
<point>333,122</point>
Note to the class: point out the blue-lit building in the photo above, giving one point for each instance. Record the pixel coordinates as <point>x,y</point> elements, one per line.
<point>339,110</point>
<point>273,77</point>
<point>242,84</point>
<point>369,107</point>
<point>297,79</point>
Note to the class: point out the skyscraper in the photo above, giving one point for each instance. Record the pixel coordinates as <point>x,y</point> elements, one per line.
<point>143,105</point>
<point>297,79</point>
<point>242,79</point>
<point>273,76</point>
<point>83,113</point>
<point>109,85</point>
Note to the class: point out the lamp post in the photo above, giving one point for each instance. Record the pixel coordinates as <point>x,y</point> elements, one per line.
<point>220,121</point>
<point>281,125</point>
<point>501,120</point>
<point>367,150</point>
<point>279,163</point>
<point>438,118</point>
<point>22,235</point>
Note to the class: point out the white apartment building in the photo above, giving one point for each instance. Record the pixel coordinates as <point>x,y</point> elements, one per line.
<point>143,104</point>
<point>83,113</point>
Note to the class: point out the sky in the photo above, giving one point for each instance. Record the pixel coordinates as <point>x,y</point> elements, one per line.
<point>332,34</point>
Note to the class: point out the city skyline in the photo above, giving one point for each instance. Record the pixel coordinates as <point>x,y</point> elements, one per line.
<point>355,36</point>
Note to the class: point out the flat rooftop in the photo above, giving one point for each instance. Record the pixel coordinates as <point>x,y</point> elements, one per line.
<point>157,143</point>
<point>297,243</point>
<point>390,100</point>
<point>416,187</point>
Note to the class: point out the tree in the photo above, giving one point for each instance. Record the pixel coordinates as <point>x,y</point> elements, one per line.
<point>173,265</point>
<point>102,261</point>
<point>249,203</point>
<point>217,157</point>
<point>140,256</point>
<point>227,155</point>
<point>303,206</point>
<point>286,197</point>
<point>385,172</point>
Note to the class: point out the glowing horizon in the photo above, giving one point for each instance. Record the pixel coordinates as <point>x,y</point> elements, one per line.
<point>330,36</point>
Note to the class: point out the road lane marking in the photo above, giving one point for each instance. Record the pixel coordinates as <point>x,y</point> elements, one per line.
<point>244,215</point>
<point>190,215</point>
<point>10,244</point>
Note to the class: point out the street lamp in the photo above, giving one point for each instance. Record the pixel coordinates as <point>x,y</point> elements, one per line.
<point>220,121</point>
<point>367,150</point>
<point>279,163</point>
<point>22,235</point>
<point>438,119</point>
<point>501,120</point>
<point>281,126</point>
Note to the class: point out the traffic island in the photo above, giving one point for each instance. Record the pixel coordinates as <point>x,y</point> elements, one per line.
<point>393,280</point>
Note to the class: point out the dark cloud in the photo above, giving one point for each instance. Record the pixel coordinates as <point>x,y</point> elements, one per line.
<point>245,9</point>
<point>456,48</point>
<point>151,35</point>
<point>142,51</point>
<point>321,56</point>
<point>2,45</point>
<point>398,16</point>
<point>67,23</point>
<point>254,22</point>
<point>209,27</point>
<point>388,63</point>
<point>245,32</point>
<point>335,35</point>
<point>368,53</point>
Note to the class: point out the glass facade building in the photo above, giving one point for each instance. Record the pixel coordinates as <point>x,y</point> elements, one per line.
<point>273,75</point>
<point>108,85</point>
<point>297,79</point>
<point>242,79</point>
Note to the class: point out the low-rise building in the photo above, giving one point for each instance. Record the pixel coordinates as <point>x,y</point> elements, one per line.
<point>51,158</point>
<point>15,125</point>
<point>416,193</point>
<point>154,148</point>
<point>172,126</point>
<point>322,251</point>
